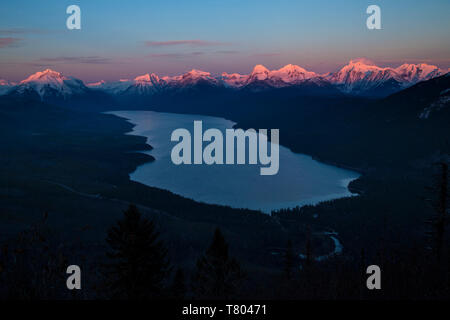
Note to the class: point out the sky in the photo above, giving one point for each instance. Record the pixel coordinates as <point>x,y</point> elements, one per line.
<point>124,39</point>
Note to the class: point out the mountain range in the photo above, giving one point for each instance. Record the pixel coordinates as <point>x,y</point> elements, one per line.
<point>358,78</point>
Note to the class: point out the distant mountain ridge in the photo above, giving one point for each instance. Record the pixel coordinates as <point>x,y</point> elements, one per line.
<point>359,77</point>
<point>49,82</point>
<point>53,87</point>
<point>5,86</point>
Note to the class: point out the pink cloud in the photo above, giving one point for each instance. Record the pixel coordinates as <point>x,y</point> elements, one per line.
<point>176,55</point>
<point>7,42</point>
<point>227,52</point>
<point>267,54</point>
<point>87,59</point>
<point>182,42</point>
<point>13,31</point>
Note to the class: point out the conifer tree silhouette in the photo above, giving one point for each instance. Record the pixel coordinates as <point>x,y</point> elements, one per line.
<point>178,287</point>
<point>439,220</point>
<point>138,263</point>
<point>217,276</point>
<point>289,261</point>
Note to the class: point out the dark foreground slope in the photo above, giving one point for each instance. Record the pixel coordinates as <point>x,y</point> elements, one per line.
<point>70,170</point>
<point>397,143</point>
<point>72,167</point>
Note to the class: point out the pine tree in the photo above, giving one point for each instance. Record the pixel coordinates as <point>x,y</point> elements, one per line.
<point>308,248</point>
<point>178,288</point>
<point>440,219</point>
<point>218,276</point>
<point>289,261</point>
<point>138,263</point>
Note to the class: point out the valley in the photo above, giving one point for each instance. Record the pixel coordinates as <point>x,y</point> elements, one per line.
<point>59,166</point>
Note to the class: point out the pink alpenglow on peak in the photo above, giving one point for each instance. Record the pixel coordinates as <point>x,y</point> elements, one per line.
<point>46,76</point>
<point>5,86</point>
<point>196,75</point>
<point>145,84</point>
<point>150,78</point>
<point>96,84</point>
<point>259,73</point>
<point>49,80</point>
<point>357,70</point>
<point>235,80</point>
<point>359,76</point>
<point>6,83</point>
<point>292,74</point>
<point>190,78</point>
<point>288,75</point>
<point>418,72</point>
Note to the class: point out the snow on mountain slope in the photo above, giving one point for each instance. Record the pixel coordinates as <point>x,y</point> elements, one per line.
<point>259,73</point>
<point>49,82</point>
<point>5,86</point>
<point>413,73</point>
<point>6,83</point>
<point>147,79</point>
<point>361,77</point>
<point>285,76</point>
<point>115,87</point>
<point>291,74</point>
<point>97,84</point>
<point>358,77</point>
<point>150,83</point>
<point>145,84</point>
<point>190,78</point>
<point>234,80</point>
<point>443,101</point>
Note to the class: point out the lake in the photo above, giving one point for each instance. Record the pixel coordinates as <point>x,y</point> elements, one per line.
<point>300,180</point>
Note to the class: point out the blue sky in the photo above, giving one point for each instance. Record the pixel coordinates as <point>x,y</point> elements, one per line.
<point>122,39</point>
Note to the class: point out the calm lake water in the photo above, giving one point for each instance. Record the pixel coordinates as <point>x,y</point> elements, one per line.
<point>300,179</point>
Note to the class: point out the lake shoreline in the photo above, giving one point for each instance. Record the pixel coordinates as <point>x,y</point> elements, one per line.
<point>312,200</point>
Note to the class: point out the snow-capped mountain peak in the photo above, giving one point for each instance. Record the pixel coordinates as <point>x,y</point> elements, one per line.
<point>47,76</point>
<point>358,77</point>
<point>51,82</point>
<point>287,75</point>
<point>418,72</point>
<point>259,73</point>
<point>147,78</point>
<point>190,78</point>
<point>292,74</point>
<point>357,70</point>
<point>361,75</point>
<point>194,73</point>
<point>235,80</point>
